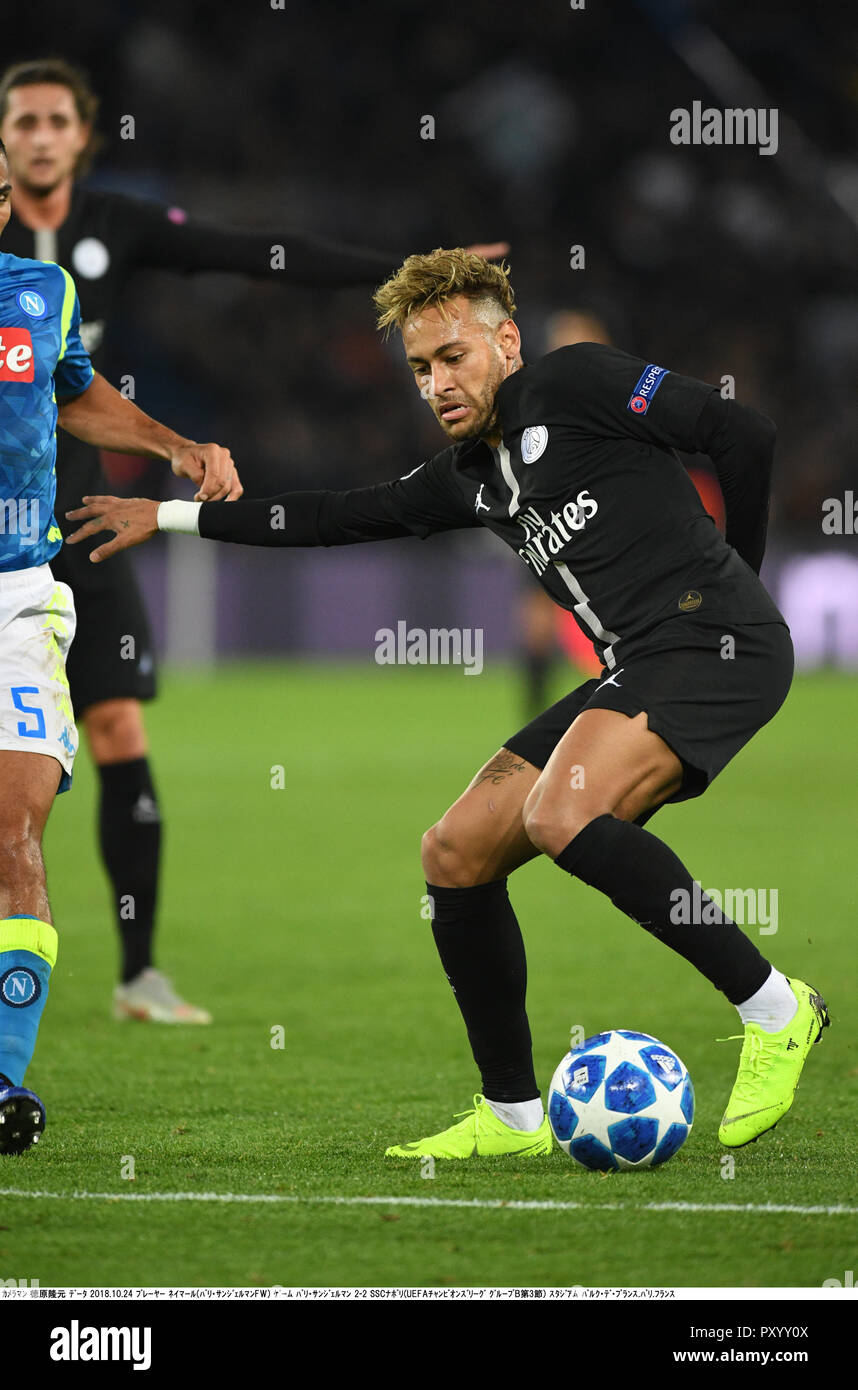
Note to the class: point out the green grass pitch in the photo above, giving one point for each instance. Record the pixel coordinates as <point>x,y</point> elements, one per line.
<point>299,909</point>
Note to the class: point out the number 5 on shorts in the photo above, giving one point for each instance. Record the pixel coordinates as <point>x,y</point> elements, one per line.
<point>32,710</point>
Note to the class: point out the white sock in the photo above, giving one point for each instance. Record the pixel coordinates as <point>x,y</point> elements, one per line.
<point>773,1006</point>
<point>521,1114</point>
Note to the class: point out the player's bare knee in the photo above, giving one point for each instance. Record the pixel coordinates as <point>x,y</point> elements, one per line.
<point>551,833</point>
<point>550,823</point>
<point>439,856</point>
<point>115,731</point>
<point>446,861</point>
<point>109,719</point>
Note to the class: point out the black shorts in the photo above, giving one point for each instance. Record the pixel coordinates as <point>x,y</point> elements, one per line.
<point>112,655</point>
<point>705,705</point>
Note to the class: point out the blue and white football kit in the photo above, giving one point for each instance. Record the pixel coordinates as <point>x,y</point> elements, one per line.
<point>41,356</point>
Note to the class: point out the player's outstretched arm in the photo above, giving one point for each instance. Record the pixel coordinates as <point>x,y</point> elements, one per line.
<point>289,520</point>
<point>424,501</point>
<point>167,239</point>
<point>100,415</point>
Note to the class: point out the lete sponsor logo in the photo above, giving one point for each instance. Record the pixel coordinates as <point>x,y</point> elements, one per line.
<point>16,355</point>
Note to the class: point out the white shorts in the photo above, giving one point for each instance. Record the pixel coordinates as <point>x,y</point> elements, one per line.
<point>37,623</point>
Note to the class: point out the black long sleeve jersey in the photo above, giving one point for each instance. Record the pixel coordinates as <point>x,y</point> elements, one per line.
<point>586,488</point>
<point>108,236</point>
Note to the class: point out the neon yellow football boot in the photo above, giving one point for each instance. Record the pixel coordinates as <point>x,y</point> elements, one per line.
<point>480,1134</point>
<point>769,1069</point>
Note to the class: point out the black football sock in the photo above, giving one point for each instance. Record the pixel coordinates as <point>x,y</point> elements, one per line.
<point>130,834</point>
<point>482,952</point>
<point>638,872</point>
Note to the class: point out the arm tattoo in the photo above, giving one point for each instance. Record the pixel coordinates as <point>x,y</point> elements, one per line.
<point>504,765</point>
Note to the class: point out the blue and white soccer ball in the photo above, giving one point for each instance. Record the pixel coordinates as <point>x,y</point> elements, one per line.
<point>621,1100</point>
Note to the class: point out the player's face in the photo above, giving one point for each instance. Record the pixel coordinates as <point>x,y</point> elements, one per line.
<point>458,363</point>
<point>5,193</point>
<point>43,135</point>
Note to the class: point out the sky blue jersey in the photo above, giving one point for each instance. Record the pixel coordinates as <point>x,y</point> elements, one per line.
<point>41,358</point>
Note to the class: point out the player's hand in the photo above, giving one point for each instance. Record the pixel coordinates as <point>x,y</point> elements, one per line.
<point>133,519</point>
<point>211,468</point>
<point>491,250</point>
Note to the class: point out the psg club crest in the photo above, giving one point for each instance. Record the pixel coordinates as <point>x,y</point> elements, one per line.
<point>533,443</point>
<point>90,258</point>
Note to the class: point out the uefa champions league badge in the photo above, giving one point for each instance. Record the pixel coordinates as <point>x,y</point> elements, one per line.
<point>32,304</point>
<point>533,443</point>
<point>646,388</point>
<point>19,987</point>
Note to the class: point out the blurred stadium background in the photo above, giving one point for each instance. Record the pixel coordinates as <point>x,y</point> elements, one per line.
<point>552,131</point>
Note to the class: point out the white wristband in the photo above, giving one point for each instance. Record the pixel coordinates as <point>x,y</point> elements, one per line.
<point>181,517</point>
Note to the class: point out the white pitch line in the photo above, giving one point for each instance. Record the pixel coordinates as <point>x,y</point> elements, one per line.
<point>478,1203</point>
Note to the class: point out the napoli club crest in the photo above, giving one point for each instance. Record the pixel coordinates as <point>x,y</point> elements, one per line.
<point>32,303</point>
<point>19,987</point>
<point>533,443</point>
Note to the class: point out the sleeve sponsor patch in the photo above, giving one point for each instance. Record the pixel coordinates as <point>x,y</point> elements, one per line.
<point>650,380</point>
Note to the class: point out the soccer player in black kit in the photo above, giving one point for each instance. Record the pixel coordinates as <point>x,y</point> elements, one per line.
<point>570,461</point>
<point>47,114</point>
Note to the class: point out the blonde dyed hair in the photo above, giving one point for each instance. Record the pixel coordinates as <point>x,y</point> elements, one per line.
<point>429,281</point>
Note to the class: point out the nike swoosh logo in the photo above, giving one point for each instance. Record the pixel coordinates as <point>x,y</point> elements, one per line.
<point>747,1115</point>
